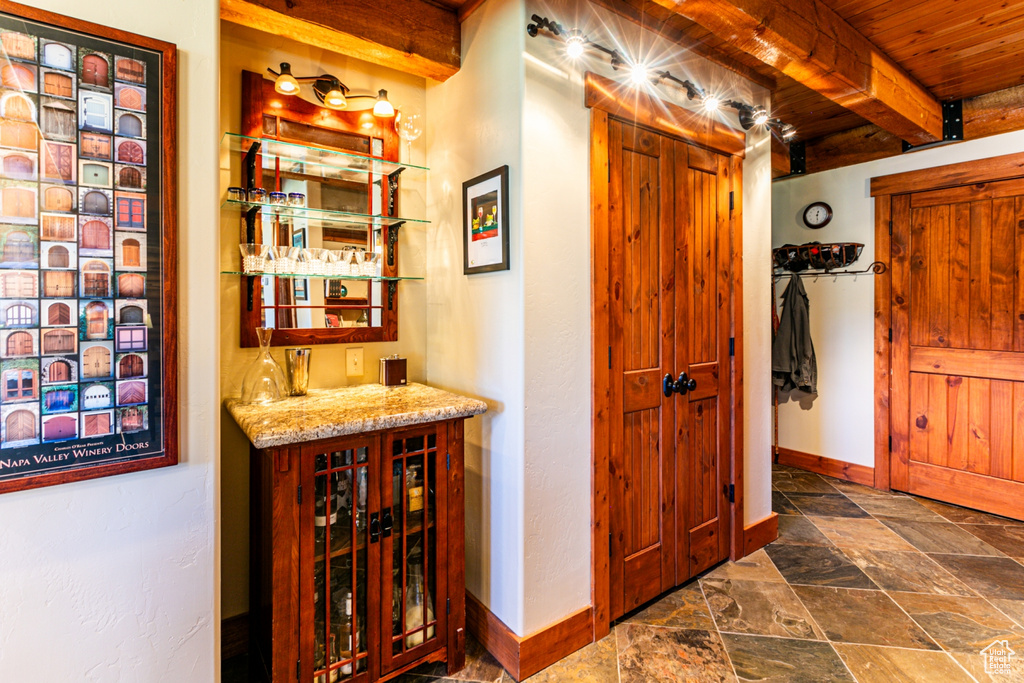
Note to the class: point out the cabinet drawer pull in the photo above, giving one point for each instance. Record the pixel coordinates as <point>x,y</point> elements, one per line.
<point>387,523</point>
<point>374,527</point>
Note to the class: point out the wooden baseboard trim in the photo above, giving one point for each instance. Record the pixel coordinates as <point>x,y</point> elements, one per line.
<point>234,636</point>
<point>819,464</point>
<point>523,657</point>
<point>760,534</point>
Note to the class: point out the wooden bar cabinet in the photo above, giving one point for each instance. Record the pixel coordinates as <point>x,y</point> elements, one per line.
<point>357,555</point>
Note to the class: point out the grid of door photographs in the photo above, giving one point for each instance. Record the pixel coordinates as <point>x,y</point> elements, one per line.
<point>73,313</point>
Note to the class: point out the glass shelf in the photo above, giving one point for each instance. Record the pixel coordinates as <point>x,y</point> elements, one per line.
<point>364,278</point>
<point>322,217</point>
<point>316,161</point>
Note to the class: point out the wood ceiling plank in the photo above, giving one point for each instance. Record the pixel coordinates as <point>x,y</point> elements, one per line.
<point>809,42</point>
<point>418,37</point>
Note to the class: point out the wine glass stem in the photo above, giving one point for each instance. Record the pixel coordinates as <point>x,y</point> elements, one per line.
<point>408,157</point>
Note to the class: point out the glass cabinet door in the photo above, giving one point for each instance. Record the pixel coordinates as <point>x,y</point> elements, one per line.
<point>342,567</point>
<point>415,501</point>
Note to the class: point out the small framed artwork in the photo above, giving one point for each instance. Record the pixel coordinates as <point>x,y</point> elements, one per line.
<point>485,223</point>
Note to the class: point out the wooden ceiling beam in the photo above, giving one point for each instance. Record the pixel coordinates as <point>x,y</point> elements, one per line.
<point>629,12</point>
<point>809,42</point>
<point>992,114</point>
<point>412,36</point>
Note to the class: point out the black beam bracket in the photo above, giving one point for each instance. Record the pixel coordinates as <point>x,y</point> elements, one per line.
<point>392,241</point>
<point>797,157</point>
<point>952,126</point>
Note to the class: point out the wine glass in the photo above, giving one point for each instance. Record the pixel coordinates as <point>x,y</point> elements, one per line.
<point>409,123</point>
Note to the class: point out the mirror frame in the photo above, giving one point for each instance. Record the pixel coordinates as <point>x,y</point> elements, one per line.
<point>259,99</point>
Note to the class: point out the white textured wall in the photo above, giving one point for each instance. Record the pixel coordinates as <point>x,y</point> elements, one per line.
<point>475,323</point>
<point>114,579</point>
<point>839,423</point>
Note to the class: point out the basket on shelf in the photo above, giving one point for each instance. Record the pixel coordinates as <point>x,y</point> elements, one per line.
<point>814,256</point>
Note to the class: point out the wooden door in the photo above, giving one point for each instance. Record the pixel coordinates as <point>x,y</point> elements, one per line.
<point>702,342</point>
<point>339,560</point>
<point>642,328</point>
<point>669,269</point>
<point>97,425</point>
<point>414,519</point>
<point>95,70</point>
<point>21,424</point>
<point>958,345</point>
<point>131,366</point>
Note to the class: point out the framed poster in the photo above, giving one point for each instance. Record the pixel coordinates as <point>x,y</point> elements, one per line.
<point>88,250</point>
<point>485,222</point>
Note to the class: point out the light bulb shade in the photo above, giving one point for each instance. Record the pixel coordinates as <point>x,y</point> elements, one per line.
<point>382,108</point>
<point>575,44</point>
<point>335,99</point>
<point>760,116</point>
<point>639,74</point>
<point>285,84</point>
<point>710,103</point>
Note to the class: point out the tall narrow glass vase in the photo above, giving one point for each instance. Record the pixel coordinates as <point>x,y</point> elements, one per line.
<point>264,381</point>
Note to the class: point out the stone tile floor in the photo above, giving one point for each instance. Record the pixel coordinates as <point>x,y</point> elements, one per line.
<point>861,585</point>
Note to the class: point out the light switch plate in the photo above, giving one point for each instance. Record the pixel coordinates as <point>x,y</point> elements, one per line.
<point>354,362</point>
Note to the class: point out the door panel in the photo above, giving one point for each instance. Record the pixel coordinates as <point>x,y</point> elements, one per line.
<point>642,331</point>
<point>669,293</point>
<point>958,345</point>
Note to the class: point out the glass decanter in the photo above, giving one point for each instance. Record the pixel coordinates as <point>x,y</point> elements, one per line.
<point>264,381</point>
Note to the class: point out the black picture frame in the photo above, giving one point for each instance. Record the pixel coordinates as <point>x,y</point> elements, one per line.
<point>483,197</point>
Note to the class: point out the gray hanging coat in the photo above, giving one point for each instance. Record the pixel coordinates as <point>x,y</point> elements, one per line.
<point>793,363</point>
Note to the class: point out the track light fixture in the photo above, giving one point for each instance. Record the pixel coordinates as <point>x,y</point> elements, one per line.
<point>577,44</point>
<point>329,91</point>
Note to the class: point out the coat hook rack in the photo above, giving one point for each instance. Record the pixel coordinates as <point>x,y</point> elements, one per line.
<point>876,268</point>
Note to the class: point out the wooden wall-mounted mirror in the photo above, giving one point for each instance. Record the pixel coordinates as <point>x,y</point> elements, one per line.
<point>346,165</point>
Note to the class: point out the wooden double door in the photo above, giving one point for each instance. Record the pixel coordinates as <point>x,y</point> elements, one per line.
<point>669,243</point>
<point>957,387</point>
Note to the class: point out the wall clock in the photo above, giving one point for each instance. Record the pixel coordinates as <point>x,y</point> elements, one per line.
<point>817,215</point>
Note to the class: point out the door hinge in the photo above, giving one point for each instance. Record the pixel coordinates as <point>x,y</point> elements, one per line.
<point>890,228</point>
<point>890,335</point>
<point>609,358</point>
<point>732,346</point>
<point>448,460</point>
<point>299,496</point>
<point>448,606</point>
<point>890,443</point>
<point>609,171</point>
<point>732,201</point>
<point>609,543</point>
<point>298,662</point>
<point>729,490</point>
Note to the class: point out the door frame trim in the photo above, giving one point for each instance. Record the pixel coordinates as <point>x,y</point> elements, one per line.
<point>884,189</point>
<point>607,99</point>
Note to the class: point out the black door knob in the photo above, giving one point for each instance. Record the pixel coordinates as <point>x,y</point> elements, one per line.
<point>685,383</point>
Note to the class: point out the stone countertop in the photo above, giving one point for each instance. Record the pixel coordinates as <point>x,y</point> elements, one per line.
<point>326,413</point>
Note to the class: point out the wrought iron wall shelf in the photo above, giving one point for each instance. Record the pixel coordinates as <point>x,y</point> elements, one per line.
<point>364,278</point>
<point>325,218</point>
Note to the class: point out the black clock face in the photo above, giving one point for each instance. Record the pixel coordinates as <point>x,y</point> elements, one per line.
<point>817,215</point>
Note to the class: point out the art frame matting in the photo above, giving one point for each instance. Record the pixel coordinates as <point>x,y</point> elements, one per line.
<point>88,250</point>
<point>485,223</point>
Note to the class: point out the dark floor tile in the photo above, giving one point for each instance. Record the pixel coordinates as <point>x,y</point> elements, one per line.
<point>907,571</point>
<point>802,482</point>
<point>850,488</point>
<point>960,624</point>
<point>798,530</point>
<point>784,660</point>
<point>865,617</point>
<point>596,663</point>
<point>683,608</point>
<point>900,507</point>
<point>961,515</point>
<point>817,565</point>
<point>760,608</point>
<point>652,653</point>
<point>826,505</point>
<point>991,577</point>
<point>1009,539</point>
<point>938,537</point>
<point>782,505</point>
<point>872,664</point>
